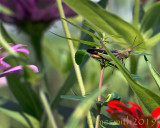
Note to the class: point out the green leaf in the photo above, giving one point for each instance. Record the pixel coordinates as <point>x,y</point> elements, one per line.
<point>139,53</point>
<point>150,19</point>
<point>5,10</point>
<point>148,98</point>
<point>79,56</point>
<point>94,29</point>
<point>21,117</point>
<point>84,30</point>
<point>154,73</point>
<point>72,97</point>
<point>106,21</point>
<point>81,41</point>
<point>82,109</point>
<point>136,77</point>
<point>151,42</point>
<point>25,95</point>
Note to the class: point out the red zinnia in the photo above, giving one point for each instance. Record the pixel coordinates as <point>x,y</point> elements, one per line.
<point>133,117</point>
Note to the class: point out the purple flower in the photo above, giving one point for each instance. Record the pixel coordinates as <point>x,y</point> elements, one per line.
<point>33,11</point>
<point>17,69</point>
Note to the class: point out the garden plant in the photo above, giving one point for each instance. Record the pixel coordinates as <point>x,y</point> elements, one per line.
<point>79,64</point>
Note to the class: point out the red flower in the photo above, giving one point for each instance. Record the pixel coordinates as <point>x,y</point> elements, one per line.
<point>133,117</point>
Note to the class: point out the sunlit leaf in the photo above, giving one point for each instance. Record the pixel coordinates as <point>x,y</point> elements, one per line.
<point>82,109</point>
<point>80,41</point>
<point>84,30</point>
<point>94,29</point>
<point>106,21</point>
<point>154,73</point>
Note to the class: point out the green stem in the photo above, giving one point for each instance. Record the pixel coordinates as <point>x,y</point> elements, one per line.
<point>71,47</point>
<point>136,13</point>
<point>76,67</point>
<point>99,106</point>
<point>48,109</point>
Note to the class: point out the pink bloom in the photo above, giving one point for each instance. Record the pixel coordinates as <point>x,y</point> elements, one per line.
<point>133,117</point>
<point>17,69</point>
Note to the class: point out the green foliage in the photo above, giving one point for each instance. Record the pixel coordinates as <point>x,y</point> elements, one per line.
<point>5,10</point>
<point>106,21</point>
<point>148,98</point>
<point>101,27</point>
<point>25,95</point>
<point>82,109</point>
<point>151,18</point>
<point>154,73</point>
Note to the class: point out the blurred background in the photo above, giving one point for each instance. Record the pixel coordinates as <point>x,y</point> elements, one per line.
<point>59,65</point>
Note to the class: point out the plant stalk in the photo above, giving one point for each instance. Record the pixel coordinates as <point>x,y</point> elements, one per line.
<point>99,98</point>
<point>48,109</point>
<point>76,67</point>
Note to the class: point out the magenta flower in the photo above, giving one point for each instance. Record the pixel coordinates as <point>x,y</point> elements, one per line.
<point>133,117</point>
<point>17,69</point>
<point>33,11</point>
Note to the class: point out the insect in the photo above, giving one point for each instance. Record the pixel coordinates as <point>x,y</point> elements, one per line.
<point>120,54</point>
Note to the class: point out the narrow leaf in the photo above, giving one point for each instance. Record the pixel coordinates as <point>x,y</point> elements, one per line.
<point>84,30</point>
<point>139,53</point>
<point>148,98</point>
<point>154,73</point>
<point>22,118</point>
<point>106,21</point>
<point>72,97</point>
<point>82,109</point>
<point>81,41</point>
<point>94,29</point>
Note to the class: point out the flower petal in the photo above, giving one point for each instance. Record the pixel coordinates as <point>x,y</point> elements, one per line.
<point>18,70</point>
<point>115,104</point>
<point>3,65</point>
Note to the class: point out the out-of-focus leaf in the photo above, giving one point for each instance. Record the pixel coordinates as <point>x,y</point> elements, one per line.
<point>72,97</point>
<point>25,95</point>
<point>136,77</point>
<point>93,28</point>
<point>79,56</point>
<point>139,53</point>
<point>4,33</point>
<point>105,20</point>
<point>151,42</point>
<point>148,98</point>
<point>84,30</point>
<point>5,10</point>
<point>106,122</point>
<point>151,17</point>
<point>22,118</point>
<point>83,108</point>
<point>81,41</point>
<point>154,73</point>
